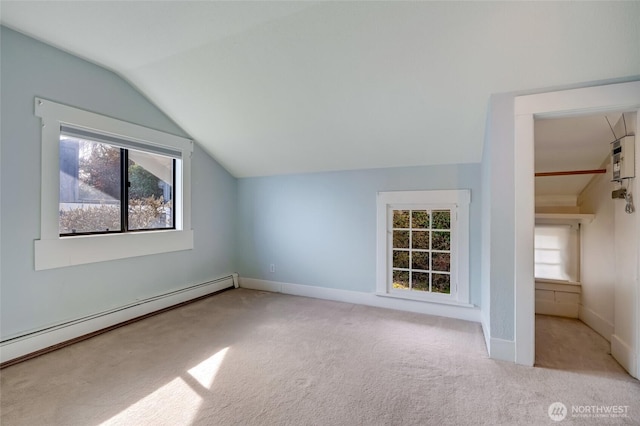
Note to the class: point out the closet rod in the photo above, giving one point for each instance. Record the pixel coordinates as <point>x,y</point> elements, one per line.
<point>573,172</point>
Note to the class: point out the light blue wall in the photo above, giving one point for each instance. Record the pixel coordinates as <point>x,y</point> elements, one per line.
<point>498,258</point>
<point>320,229</point>
<point>30,299</point>
<point>485,252</point>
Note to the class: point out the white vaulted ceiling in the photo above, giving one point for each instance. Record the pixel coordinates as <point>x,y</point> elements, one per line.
<point>285,87</point>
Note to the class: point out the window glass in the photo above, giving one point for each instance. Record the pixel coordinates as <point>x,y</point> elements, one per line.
<point>441,220</point>
<point>420,240</point>
<point>421,258</point>
<point>400,279</point>
<point>98,196</point>
<point>90,187</point>
<point>441,283</point>
<point>401,218</point>
<point>401,239</point>
<point>150,191</point>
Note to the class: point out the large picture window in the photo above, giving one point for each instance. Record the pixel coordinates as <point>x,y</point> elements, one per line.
<point>107,187</point>
<point>423,239</point>
<point>110,189</point>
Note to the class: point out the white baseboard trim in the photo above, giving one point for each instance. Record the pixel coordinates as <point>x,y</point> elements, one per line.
<point>624,354</point>
<point>360,298</point>
<point>27,343</point>
<point>504,350</point>
<point>486,332</point>
<point>596,322</point>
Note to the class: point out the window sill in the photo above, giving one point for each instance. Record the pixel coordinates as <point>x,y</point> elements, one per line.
<point>552,281</point>
<point>70,251</point>
<point>427,298</point>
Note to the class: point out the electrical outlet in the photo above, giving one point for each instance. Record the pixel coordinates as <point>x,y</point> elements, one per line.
<point>272,268</point>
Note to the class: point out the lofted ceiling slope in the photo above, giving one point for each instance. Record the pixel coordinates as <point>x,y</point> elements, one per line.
<point>576,143</point>
<point>290,87</point>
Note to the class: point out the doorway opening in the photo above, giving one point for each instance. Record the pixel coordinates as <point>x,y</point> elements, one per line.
<point>606,99</point>
<point>579,236</point>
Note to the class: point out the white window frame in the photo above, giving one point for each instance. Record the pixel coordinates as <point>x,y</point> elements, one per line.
<point>455,200</point>
<point>53,251</point>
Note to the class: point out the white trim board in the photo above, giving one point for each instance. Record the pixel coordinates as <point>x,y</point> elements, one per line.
<point>503,350</point>
<point>360,298</point>
<point>500,349</point>
<point>70,251</point>
<point>30,342</point>
<point>487,335</point>
<point>623,353</point>
<point>596,322</point>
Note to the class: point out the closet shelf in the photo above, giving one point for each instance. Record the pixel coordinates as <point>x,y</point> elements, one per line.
<point>557,218</point>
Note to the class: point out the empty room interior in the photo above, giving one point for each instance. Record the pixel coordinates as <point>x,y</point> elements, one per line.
<point>326,213</point>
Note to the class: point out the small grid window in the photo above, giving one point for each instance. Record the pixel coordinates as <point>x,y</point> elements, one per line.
<point>423,246</point>
<point>421,250</point>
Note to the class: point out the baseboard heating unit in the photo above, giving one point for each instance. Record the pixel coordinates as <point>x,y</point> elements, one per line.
<point>27,345</point>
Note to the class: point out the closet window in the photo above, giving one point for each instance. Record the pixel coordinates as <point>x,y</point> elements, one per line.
<point>557,252</point>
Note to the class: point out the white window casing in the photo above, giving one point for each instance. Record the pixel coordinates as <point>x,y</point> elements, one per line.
<point>457,202</point>
<point>52,251</point>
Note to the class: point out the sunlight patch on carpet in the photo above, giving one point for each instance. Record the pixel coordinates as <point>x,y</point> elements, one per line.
<point>205,372</point>
<point>174,403</point>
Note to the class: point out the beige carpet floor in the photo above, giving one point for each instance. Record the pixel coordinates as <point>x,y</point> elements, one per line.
<point>246,357</point>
